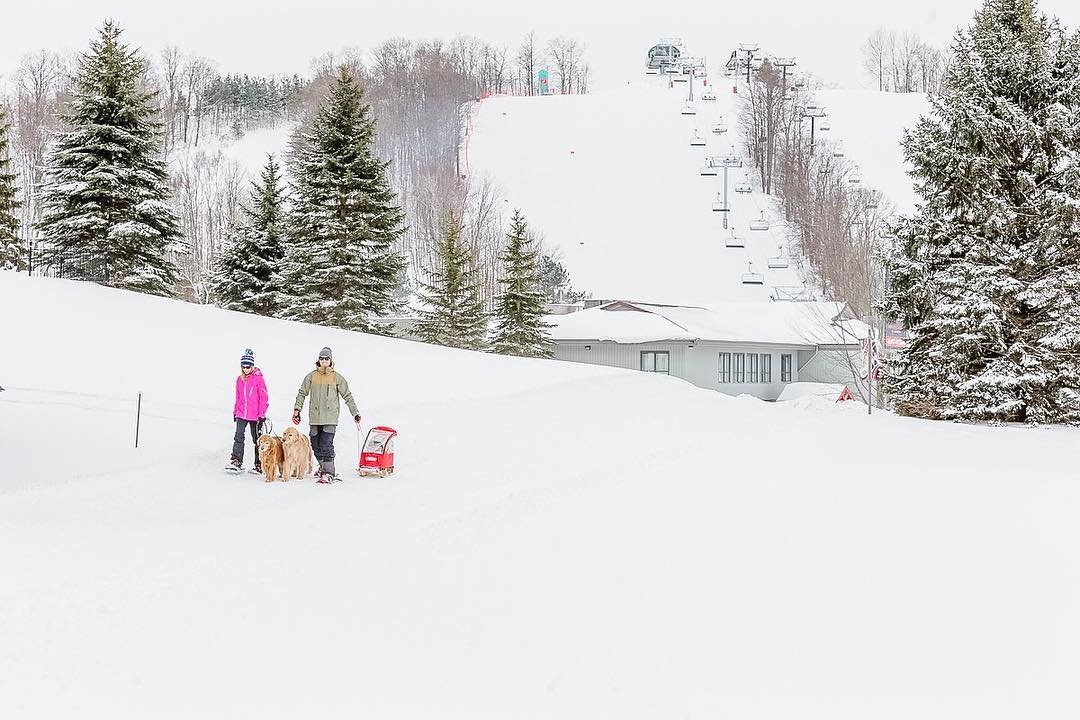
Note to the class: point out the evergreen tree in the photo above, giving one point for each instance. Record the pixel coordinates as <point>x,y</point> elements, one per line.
<point>11,251</point>
<point>519,311</point>
<point>454,313</point>
<point>246,272</point>
<point>986,275</point>
<point>341,268</point>
<point>105,202</point>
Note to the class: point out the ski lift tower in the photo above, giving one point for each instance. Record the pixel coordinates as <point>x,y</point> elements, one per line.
<point>784,63</point>
<point>731,160</point>
<point>748,49</point>
<point>813,112</point>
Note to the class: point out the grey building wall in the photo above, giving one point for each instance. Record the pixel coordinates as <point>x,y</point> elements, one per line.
<point>832,366</point>
<point>699,364</point>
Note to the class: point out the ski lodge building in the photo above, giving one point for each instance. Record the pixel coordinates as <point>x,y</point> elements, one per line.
<point>754,348</point>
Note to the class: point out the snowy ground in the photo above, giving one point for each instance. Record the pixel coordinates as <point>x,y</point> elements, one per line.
<point>561,541</point>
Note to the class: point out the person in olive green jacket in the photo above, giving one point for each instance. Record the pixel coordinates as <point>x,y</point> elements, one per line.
<point>327,388</point>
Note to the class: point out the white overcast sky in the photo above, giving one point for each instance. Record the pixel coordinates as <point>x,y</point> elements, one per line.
<point>278,36</point>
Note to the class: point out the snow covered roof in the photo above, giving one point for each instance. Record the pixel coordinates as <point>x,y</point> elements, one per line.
<point>625,322</point>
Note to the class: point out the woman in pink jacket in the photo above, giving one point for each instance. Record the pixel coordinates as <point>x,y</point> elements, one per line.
<point>249,410</point>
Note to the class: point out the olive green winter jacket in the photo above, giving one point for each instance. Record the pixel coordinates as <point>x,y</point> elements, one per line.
<point>326,388</point>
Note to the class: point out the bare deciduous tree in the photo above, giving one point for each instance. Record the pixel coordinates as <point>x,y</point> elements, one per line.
<point>902,63</point>
<point>526,60</point>
<point>40,86</point>
<point>567,58</point>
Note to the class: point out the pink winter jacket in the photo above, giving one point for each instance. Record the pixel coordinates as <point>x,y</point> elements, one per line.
<point>252,399</point>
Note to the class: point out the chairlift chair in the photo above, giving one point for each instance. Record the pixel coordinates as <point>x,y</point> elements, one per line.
<point>688,109</point>
<point>697,140</point>
<point>855,180</point>
<point>708,170</point>
<point>824,126</point>
<point>652,71</point>
<point>719,128</point>
<point>734,241</point>
<point>708,96</point>
<point>719,205</point>
<point>760,224</point>
<point>780,261</point>
<point>838,151</point>
<point>752,278</point>
<point>743,187</point>
<point>800,83</point>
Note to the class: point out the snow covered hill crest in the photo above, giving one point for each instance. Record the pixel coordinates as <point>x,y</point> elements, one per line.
<point>560,541</point>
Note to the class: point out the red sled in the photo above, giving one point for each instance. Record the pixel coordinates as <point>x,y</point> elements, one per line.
<point>377,457</point>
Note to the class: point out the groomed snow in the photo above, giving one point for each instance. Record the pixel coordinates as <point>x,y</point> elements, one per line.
<point>560,540</point>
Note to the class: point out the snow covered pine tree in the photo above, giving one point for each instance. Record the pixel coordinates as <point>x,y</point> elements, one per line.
<point>11,251</point>
<point>986,272</point>
<point>340,267</point>
<point>519,310</point>
<point>453,314</point>
<point>244,279</point>
<point>106,190</point>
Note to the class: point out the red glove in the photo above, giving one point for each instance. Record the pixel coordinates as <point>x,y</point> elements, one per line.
<point>295,417</point>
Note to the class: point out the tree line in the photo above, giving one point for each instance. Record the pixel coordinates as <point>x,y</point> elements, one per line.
<point>835,221</point>
<point>322,246</point>
<point>903,62</point>
<point>417,90</point>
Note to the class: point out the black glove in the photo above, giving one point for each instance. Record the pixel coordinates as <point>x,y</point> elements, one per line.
<point>295,417</point>
<point>357,419</point>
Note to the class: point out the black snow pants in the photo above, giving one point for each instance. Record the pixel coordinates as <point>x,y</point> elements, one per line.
<point>322,444</point>
<point>238,439</point>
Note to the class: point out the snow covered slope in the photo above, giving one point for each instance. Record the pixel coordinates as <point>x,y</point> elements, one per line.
<point>610,178</point>
<point>871,125</point>
<point>560,541</point>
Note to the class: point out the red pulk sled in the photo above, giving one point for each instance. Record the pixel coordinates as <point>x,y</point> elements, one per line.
<point>377,457</point>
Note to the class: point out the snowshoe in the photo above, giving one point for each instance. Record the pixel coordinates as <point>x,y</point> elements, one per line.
<point>327,478</point>
<point>234,467</point>
<point>256,471</point>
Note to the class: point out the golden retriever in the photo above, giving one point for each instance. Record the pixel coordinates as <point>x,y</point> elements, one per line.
<point>271,457</point>
<point>297,453</point>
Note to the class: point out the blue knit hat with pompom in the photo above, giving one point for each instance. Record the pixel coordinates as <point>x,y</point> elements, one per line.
<point>248,358</point>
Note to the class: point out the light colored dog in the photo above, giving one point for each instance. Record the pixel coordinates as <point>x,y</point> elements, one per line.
<point>271,457</point>
<point>298,461</point>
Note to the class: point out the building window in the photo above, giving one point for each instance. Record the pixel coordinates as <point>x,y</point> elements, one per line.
<point>654,361</point>
<point>740,367</point>
<point>766,368</point>
<point>785,368</point>
<point>725,368</point>
<point>752,367</point>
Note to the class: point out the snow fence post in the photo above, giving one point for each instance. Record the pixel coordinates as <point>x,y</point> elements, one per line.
<point>138,416</point>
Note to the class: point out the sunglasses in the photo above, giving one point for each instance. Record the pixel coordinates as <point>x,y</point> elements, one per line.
<point>247,367</point>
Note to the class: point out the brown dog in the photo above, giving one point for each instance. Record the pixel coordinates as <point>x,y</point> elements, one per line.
<point>297,453</point>
<point>272,457</point>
